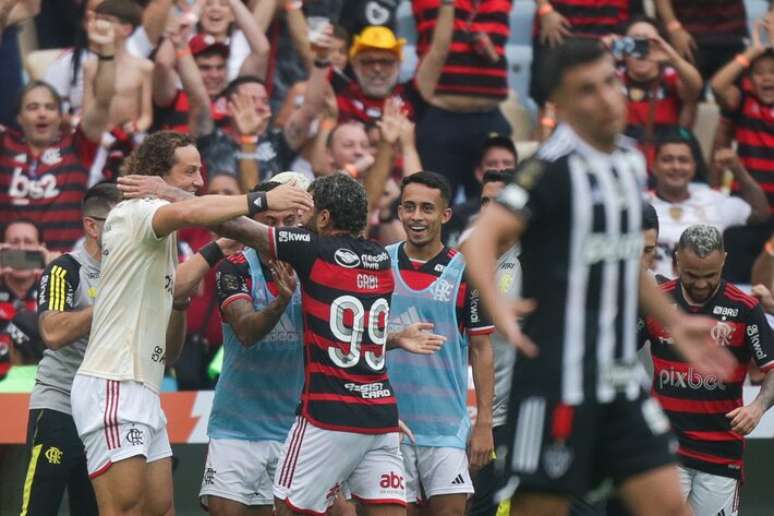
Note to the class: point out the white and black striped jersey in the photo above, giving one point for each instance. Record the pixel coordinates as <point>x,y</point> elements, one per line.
<point>580,259</point>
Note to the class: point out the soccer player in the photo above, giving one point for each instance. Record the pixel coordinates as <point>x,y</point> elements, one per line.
<point>347,424</point>
<point>577,412</point>
<point>706,412</point>
<point>65,298</point>
<point>432,390</point>
<point>138,323</point>
<point>508,280</point>
<point>263,373</point>
<point>347,428</point>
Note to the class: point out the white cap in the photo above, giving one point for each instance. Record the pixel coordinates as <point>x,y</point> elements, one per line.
<point>300,179</point>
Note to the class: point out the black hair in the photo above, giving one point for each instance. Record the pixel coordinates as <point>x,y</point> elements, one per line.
<point>266,186</point>
<point>32,85</point>
<point>234,85</point>
<point>641,18</point>
<point>559,60</point>
<point>431,180</point>
<point>101,198</point>
<point>499,143</point>
<point>649,218</point>
<point>681,135</point>
<point>498,176</point>
<point>344,198</point>
<point>126,11</point>
<point>31,222</point>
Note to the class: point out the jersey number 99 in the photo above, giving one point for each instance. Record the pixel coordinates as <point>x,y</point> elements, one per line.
<point>354,334</point>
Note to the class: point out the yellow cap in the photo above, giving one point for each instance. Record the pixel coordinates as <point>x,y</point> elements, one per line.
<point>377,38</point>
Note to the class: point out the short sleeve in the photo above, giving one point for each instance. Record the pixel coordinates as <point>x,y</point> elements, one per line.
<point>58,285</point>
<point>758,336</point>
<point>298,247</point>
<point>232,280</point>
<point>534,192</point>
<point>145,209</point>
<point>476,320</point>
<point>734,211</point>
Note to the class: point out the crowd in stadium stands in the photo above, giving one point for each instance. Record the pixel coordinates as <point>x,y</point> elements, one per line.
<point>322,87</point>
<point>327,86</point>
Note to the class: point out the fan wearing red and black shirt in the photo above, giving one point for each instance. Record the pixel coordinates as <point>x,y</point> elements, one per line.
<point>347,428</point>
<point>375,57</point>
<point>707,413</point>
<point>44,172</point>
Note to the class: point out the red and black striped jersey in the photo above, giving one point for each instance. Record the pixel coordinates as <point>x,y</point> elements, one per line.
<point>346,289</point>
<point>175,116</point>
<point>712,21</point>
<point>47,188</point>
<point>697,403</point>
<point>353,103</point>
<point>659,103</point>
<point>466,71</point>
<point>754,134</point>
<point>420,275</point>
<point>593,18</point>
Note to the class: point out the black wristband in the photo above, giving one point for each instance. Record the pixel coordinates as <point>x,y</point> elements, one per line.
<point>322,63</point>
<point>212,253</point>
<point>102,57</point>
<point>256,203</point>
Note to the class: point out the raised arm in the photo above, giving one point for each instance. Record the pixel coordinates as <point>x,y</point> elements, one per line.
<point>429,70</point>
<point>681,38</point>
<point>296,129</point>
<point>751,191</point>
<point>723,84</point>
<point>96,112</point>
<point>17,11</point>
<point>154,19</point>
<point>256,39</point>
<point>298,30</point>
<point>213,210</point>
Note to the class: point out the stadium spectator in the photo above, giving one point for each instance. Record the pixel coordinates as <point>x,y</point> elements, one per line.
<point>375,56</point>
<point>681,203</point>
<point>743,89</point>
<point>250,147</point>
<point>464,106</point>
<point>66,72</point>
<point>213,61</point>
<point>556,20</point>
<point>44,170</point>
<point>707,34</point>
<point>661,87</point>
<point>498,153</point>
<point>18,290</point>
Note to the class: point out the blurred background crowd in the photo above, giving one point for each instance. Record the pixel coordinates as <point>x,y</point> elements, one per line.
<point>378,89</point>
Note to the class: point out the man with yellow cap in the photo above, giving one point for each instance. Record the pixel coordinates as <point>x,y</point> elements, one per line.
<point>375,56</point>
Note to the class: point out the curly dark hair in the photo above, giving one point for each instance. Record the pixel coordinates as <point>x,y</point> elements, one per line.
<point>156,154</point>
<point>344,198</point>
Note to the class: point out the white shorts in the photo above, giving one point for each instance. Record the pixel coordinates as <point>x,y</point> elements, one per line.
<point>118,420</point>
<point>240,470</point>
<point>435,471</point>
<point>316,462</point>
<point>710,494</point>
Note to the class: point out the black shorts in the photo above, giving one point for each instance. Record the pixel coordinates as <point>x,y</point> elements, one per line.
<point>563,450</point>
<point>56,460</point>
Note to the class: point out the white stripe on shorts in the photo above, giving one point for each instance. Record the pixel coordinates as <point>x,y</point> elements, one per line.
<point>529,435</point>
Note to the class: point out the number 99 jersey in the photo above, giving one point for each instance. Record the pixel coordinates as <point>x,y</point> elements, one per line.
<point>346,286</point>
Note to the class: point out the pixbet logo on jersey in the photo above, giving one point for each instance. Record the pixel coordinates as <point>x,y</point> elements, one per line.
<point>690,379</point>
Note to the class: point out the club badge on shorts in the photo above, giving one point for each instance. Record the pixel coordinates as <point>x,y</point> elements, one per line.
<point>557,459</point>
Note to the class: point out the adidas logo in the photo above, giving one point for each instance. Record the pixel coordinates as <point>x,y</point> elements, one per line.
<point>459,481</point>
<point>404,320</point>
